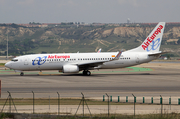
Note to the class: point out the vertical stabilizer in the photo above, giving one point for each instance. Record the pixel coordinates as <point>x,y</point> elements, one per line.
<point>153,42</point>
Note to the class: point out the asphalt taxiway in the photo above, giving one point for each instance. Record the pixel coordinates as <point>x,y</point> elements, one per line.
<point>153,80</point>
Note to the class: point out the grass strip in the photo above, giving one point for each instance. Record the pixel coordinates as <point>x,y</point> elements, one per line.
<point>2,64</point>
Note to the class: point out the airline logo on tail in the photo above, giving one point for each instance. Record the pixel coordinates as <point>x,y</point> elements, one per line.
<point>155,44</point>
<point>151,39</point>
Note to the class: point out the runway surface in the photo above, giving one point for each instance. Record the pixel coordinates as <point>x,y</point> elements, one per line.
<point>159,79</point>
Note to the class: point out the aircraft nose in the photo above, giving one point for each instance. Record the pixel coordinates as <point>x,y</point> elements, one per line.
<point>8,64</point>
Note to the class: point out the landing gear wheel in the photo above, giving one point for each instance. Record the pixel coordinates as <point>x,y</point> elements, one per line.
<point>84,72</point>
<point>21,74</point>
<point>87,73</point>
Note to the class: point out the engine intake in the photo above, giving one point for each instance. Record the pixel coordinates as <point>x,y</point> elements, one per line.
<point>70,69</point>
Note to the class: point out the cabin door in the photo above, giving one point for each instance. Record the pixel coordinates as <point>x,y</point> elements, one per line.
<point>137,58</point>
<point>26,61</point>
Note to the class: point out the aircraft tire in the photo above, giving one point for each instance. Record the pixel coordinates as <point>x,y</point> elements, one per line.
<point>88,73</point>
<point>21,74</point>
<point>84,72</point>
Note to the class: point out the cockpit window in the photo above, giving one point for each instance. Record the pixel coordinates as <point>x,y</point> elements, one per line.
<point>14,60</point>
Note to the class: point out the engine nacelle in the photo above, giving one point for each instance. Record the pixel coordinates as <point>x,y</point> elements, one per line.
<point>70,69</point>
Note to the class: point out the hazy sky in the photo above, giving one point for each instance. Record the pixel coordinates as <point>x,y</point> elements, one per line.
<point>89,11</point>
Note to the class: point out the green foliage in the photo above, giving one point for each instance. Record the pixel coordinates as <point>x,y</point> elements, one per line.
<point>82,38</point>
<point>12,25</point>
<point>169,55</point>
<point>5,115</point>
<point>17,47</point>
<point>2,64</point>
<point>34,23</point>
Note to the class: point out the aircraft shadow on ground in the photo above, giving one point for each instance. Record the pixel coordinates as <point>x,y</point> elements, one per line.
<point>93,75</point>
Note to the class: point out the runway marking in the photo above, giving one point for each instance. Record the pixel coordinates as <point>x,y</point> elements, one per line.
<point>128,69</point>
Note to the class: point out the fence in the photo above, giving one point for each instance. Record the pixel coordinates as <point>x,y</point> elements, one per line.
<point>73,106</point>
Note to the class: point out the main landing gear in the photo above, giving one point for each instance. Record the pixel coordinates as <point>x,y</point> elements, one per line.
<point>21,74</point>
<point>87,73</point>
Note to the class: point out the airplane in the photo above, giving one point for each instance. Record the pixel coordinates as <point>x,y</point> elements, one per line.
<point>76,62</point>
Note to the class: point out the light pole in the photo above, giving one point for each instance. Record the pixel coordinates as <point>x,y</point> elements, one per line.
<point>7,46</point>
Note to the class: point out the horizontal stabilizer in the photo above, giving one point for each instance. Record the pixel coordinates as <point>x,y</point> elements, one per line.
<point>157,54</point>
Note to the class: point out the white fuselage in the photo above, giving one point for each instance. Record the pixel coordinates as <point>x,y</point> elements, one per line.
<point>75,62</point>
<point>57,61</point>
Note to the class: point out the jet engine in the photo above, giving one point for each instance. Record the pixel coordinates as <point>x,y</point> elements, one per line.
<point>70,69</point>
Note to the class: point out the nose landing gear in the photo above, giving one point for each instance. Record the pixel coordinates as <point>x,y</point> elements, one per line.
<point>87,73</point>
<point>21,74</point>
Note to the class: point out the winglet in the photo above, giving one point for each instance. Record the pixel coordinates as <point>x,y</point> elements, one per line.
<point>99,50</point>
<point>118,55</point>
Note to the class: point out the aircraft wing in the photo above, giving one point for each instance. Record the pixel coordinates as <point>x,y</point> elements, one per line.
<point>90,65</point>
<point>97,63</point>
<point>157,54</point>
